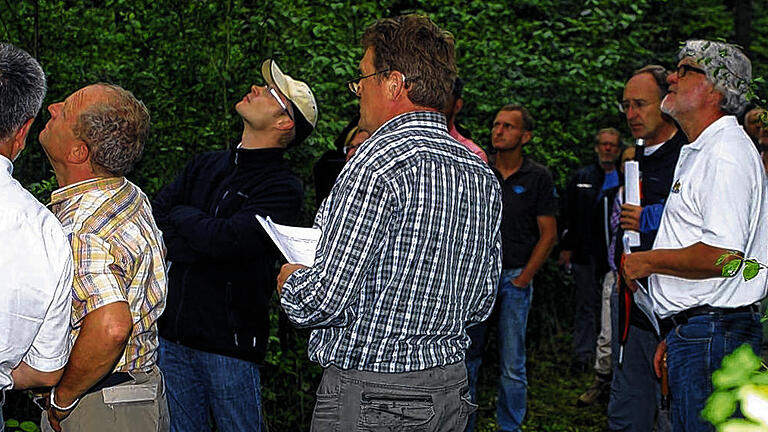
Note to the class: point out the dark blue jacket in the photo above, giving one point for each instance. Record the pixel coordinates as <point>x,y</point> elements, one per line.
<point>586,218</point>
<point>222,264</point>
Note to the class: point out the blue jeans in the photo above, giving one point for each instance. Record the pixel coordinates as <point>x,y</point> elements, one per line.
<point>694,351</point>
<point>197,381</point>
<point>512,306</point>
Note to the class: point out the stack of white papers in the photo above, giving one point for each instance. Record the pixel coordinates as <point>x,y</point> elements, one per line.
<point>297,244</point>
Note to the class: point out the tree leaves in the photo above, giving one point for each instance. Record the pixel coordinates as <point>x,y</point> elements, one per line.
<point>739,381</point>
<point>732,267</point>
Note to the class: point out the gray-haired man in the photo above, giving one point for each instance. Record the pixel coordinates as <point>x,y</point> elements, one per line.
<point>717,204</point>
<point>35,284</point>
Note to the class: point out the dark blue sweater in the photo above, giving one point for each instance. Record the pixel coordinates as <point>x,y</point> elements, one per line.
<point>222,264</point>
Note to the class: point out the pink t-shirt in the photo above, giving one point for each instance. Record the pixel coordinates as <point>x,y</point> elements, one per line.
<point>474,148</point>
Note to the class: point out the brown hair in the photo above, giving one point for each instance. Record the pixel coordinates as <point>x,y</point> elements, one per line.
<point>416,47</point>
<point>528,123</point>
<point>114,130</point>
<point>659,74</point>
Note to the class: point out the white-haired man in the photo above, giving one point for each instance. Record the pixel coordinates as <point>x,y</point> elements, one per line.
<point>717,205</point>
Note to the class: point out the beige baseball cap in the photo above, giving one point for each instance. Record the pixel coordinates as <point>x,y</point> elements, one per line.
<point>298,93</point>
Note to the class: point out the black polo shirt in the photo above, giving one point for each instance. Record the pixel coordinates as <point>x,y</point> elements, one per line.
<point>527,194</point>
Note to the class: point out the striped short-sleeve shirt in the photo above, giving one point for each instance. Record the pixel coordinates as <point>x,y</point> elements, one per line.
<point>119,256</point>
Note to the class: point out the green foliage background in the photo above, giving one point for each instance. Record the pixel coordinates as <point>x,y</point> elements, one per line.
<point>191,60</point>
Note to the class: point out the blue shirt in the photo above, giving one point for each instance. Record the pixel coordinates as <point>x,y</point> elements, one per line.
<point>410,253</point>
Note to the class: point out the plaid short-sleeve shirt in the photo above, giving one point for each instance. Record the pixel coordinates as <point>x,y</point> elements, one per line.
<point>118,255</point>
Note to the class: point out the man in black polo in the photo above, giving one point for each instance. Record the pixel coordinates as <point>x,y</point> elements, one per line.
<point>529,232</point>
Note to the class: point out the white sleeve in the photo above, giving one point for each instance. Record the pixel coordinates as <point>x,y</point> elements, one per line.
<point>726,202</point>
<point>50,348</point>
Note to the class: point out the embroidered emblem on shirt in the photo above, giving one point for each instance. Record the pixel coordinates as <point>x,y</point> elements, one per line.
<point>676,187</point>
<point>518,189</point>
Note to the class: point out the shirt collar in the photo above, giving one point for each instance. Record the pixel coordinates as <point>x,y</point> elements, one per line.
<point>6,165</point>
<point>421,119</point>
<point>711,130</point>
<point>98,183</point>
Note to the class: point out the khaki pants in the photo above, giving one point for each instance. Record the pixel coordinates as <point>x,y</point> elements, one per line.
<point>603,347</point>
<point>137,405</point>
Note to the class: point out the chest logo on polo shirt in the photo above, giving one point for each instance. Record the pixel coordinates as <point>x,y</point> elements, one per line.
<point>676,187</point>
<point>518,189</point>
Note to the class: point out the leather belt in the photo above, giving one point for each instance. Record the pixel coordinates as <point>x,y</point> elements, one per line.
<point>682,317</point>
<point>111,380</point>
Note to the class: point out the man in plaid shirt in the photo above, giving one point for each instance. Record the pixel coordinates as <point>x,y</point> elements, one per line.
<point>111,381</point>
<point>410,248</point>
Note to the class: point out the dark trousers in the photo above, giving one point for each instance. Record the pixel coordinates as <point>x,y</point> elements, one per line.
<point>435,399</point>
<point>587,314</point>
<point>635,390</point>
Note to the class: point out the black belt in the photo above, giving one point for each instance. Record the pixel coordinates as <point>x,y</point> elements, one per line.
<point>110,380</point>
<point>682,318</point>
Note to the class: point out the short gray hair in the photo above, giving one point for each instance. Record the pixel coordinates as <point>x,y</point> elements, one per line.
<point>114,130</point>
<point>22,88</point>
<point>726,67</point>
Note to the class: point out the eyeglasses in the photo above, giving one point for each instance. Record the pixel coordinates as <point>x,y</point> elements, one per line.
<point>685,68</point>
<point>274,94</point>
<point>354,84</point>
<point>638,104</point>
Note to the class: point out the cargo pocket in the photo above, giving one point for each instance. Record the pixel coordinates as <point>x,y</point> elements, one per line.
<point>467,407</point>
<point>387,412</point>
<point>326,414</point>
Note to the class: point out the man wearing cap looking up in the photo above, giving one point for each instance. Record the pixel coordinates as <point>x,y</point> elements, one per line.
<point>222,264</point>
<point>410,251</point>
<point>717,204</point>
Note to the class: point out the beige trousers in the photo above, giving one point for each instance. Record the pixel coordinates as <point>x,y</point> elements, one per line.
<point>134,406</point>
<point>603,347</point>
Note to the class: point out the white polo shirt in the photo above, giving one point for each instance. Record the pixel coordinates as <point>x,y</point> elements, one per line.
<point>35,283</point>
<point>718,197</point>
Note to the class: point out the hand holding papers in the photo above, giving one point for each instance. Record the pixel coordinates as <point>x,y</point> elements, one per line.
<point>297,244</point>
<point>641,297</point>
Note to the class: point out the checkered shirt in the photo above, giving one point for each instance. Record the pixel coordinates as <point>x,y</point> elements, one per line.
<point>118,256</point>
<point>410,253</point>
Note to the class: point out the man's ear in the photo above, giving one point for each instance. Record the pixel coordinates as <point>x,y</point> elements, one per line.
<point>284,123</point>
<point>396,85</point>
<point>527,135</point>
<point>19,139</point>
<point>79,153</point>
<point>458,106</point>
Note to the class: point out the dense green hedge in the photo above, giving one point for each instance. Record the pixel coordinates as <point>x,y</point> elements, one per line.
<point>190,61</point>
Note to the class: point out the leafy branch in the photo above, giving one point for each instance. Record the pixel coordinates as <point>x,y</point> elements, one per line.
<point>735,261</point>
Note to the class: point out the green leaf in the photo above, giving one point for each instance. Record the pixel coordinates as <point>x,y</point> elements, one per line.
<point>720,406</point>
<point>28,426</point>
<point>732,267</point>
<point>722,258</point>
<point>751,268</point>
<point>12,423</point>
